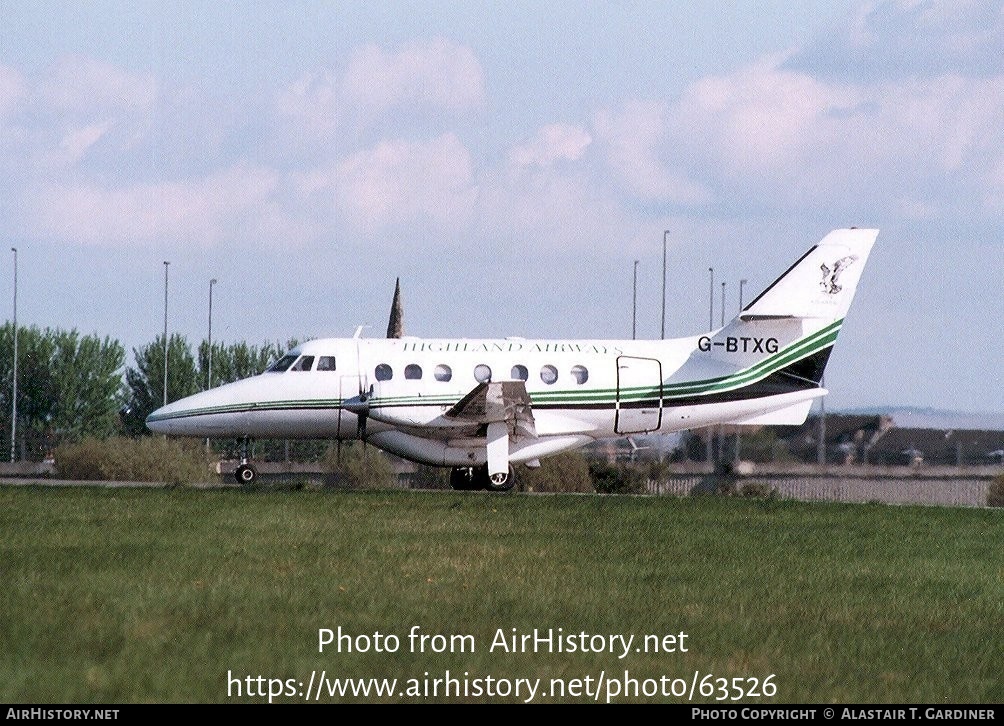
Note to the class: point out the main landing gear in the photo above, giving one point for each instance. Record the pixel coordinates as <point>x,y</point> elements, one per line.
<point>475,478</point>
<point>245,473</point>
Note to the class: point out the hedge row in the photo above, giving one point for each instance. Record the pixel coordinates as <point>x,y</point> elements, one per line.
<point>151,458</point>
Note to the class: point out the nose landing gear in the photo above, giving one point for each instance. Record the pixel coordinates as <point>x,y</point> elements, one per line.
<point>245,473</point>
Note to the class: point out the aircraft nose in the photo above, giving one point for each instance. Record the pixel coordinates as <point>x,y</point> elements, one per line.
<point>176,417</point>
<point>158,421</point>
<point>209,413</point>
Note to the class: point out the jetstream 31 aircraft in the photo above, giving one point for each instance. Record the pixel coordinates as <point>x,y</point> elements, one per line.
<point>480,406</point>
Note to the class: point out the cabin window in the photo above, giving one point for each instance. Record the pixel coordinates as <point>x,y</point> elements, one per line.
<point>305,363</point>
<point>282,364</point>
<point>519,373</point>
<point>580,374</point>
<point>443,373</point>
<point>413,372</point>
<point>482,373</point>
<point>548,374</point>
<point>326,363</point>
<point>384,372</point>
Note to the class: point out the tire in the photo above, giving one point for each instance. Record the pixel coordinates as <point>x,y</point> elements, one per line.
<point>245,474</point>
<point>462,479</point>
<point>500,486</point>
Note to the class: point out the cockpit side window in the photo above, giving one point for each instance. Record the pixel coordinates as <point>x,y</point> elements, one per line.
<point>326,363</point>
<point>283,363</point>
<point>304,364</point>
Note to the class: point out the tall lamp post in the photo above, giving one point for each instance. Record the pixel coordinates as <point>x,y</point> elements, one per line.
<point>634,303</point>
<point>166,263</point>
<point>209,378</point>
<point>711,299</point>
<point>13,412</point>
<point>723,304</point>
<point>665,238</point>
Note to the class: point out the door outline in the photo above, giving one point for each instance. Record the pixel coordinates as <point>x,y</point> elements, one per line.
<point>630,418</point>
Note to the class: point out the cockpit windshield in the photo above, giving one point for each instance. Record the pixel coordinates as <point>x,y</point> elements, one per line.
<point>283,363</point>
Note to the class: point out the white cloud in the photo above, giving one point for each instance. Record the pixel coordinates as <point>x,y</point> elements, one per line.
<point>554,142</point>
<point>397,182</point>
<point>310,103</point>
<point>634,139</point>
<point>11,89</point>
<point>85,85</point>
<point>218,207</point>
<point>781,136</point>
<point>758,119</point>
<point>437,74</point>
<point>76,142</point>
<point>891,39</point>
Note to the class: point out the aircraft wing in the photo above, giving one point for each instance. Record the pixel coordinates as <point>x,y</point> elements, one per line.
<point>494,402</point>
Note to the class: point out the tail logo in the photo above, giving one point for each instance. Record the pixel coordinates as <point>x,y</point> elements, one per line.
<point>829,282</point>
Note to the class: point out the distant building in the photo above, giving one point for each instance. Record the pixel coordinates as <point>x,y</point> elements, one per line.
<point>849,439</point>
<point>877,440</point>
<point>942,447</point>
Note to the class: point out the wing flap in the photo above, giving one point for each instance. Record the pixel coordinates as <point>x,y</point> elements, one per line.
<point>495,402</point>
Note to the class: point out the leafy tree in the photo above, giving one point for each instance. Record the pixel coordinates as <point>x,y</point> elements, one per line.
<point>68,386</point>
<point>237,360</point>
<point>145,382</point>
<point>86,374</point>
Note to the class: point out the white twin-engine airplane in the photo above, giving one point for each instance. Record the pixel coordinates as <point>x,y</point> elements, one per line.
<point>480,406</point>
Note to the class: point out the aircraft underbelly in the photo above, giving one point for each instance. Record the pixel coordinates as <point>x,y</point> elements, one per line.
<point>300,424</point>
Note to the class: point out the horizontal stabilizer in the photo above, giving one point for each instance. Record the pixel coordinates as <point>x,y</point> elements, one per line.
<point>790,416</point>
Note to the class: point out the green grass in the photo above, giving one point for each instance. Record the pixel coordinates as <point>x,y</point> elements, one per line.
<point>122,595</point>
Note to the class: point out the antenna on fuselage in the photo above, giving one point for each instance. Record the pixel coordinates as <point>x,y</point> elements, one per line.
<point>395,326</point>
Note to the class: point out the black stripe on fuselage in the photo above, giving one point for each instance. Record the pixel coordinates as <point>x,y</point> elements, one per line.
<point>802,375</point>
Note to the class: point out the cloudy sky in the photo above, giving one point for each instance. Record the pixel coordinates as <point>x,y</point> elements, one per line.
<point>509,161</point>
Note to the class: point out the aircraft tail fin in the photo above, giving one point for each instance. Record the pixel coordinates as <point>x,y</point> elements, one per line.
<point>821,284</point>
<point>781,342</point>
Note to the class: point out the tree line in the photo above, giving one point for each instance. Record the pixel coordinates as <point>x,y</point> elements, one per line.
<point>71,386</point>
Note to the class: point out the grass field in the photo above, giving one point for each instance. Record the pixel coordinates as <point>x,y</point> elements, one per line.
<point>123,595</point>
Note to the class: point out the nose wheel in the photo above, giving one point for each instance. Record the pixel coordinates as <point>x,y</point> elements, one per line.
<point>245,473</point>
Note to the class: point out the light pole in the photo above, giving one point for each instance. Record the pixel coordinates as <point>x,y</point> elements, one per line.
<point>711,300</point>
<point>634,303</point>
<point>723,304</point>
<point>665,237</point>
<point>13,405</point>
<point>209,378</point>
<point>821,444</point>
<point>166,263</point>
<point>739,444</point>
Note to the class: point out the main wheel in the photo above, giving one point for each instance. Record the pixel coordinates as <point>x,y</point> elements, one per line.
<point>462,479</point>
<point>245,474</point>
<point>501,482</point>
